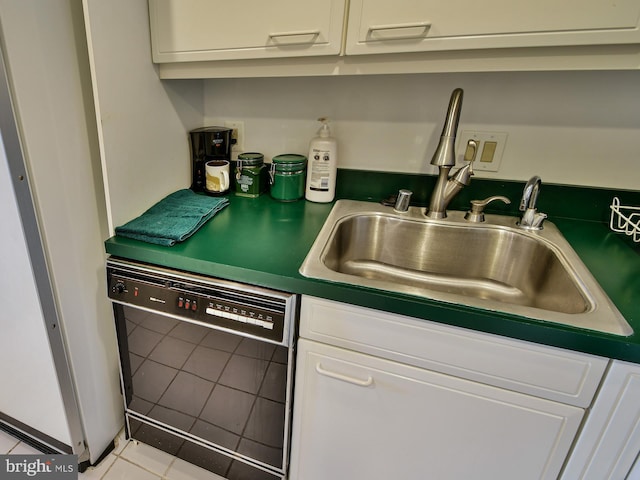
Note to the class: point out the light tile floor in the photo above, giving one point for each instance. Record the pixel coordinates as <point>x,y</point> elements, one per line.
<point>128,461</point>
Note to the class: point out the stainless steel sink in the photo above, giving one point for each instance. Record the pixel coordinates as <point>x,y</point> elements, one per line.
<point>492,265</point>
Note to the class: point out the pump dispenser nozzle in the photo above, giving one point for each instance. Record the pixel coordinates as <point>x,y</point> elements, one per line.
<point>324,130</point>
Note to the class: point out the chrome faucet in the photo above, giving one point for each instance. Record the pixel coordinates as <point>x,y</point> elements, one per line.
<point>445,158</point>
<point>531,218</point>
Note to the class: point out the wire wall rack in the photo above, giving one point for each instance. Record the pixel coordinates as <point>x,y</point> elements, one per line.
<point>625,219</point>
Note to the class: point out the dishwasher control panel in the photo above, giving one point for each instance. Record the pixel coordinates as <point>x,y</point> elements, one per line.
<point>245,309</point>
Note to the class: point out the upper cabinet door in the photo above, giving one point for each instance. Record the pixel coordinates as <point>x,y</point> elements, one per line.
<point>198,30</point>
<point>377,26</point>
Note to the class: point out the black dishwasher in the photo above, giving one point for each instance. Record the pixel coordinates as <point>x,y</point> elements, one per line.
<point>206,367</point>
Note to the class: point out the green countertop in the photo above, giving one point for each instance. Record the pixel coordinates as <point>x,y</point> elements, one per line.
<point>263,242</point>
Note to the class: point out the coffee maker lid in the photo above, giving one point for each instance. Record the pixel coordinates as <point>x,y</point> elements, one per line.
<point>211,129</point>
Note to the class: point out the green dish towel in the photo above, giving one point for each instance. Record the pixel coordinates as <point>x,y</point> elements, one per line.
<point>173,219</point>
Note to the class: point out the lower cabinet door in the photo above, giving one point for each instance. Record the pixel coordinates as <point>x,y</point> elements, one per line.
<point>609,441</point>
<point>362,417</point>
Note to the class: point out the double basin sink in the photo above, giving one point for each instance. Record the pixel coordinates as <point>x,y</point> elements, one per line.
<point>493,265</point>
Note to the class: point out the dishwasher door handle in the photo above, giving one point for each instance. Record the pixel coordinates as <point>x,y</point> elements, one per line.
<point>345,378</point>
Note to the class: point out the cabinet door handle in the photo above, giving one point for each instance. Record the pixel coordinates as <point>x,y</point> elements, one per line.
<point>345,378</point>
<point>291,38</point>
<point>398,31</point>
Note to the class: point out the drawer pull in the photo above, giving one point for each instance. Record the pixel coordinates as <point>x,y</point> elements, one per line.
<point>292,38</point>
<point>339,376</point>
<point>398,31</point>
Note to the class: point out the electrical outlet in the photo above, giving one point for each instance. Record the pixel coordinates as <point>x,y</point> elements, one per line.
<point>490,146</point>
<point>237,134</point>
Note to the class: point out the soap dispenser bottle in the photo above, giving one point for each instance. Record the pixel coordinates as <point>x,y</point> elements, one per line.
<point>322,166</point>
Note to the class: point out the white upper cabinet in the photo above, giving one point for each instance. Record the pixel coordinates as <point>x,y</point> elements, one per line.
<point>377,26</point>
<point>253,38</point>
<point>200,30</point>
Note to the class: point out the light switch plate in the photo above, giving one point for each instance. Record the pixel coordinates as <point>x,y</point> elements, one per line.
<point>500,139</point>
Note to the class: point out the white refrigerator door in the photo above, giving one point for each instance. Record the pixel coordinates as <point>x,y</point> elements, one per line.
<point>30,391</point>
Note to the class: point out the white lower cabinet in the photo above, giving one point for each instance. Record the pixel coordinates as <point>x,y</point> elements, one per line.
<point>362,417</point>
<point>358,415</point>
<point>609,443</point>
<point>634,474</point>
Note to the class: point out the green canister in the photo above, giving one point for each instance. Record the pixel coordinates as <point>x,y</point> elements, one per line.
<point>251,175</point>
<point>288,176</point>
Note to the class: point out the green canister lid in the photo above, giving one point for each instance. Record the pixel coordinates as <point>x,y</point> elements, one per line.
<point>289,162</point>
<point>251,159</point>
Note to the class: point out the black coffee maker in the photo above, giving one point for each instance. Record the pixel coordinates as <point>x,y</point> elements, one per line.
<point>207,143</point>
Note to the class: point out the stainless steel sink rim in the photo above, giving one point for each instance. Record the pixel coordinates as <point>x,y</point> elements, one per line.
<point>600,313</point>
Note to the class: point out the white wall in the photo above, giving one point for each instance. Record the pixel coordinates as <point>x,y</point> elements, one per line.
<point>144,122</point>
<point>569,127</point>
<point>578,128</point>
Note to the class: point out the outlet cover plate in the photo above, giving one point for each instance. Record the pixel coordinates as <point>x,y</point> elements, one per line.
<point>238,134</point>
<point>500,138</point>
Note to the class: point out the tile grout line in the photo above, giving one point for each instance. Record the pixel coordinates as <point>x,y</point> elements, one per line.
<point>166,472</point>
<point>131,462</point>
<point>155,474</point>
<point>110,466</point>
<point>13,448</point>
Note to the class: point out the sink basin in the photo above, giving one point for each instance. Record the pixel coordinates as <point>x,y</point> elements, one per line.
<point>491,265</point>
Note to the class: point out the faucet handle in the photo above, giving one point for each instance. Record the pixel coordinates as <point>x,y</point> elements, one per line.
<point>476,214</point>
<point>532,219</point>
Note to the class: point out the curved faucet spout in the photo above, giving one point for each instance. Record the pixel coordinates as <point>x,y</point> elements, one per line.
<point>445,156</point>
<point>531,218</point>
<point>530,193</point>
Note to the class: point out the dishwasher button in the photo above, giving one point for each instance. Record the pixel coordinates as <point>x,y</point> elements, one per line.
<point>263,324</point>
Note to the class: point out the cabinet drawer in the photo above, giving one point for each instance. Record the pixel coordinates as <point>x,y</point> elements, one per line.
<point>546,372</point>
